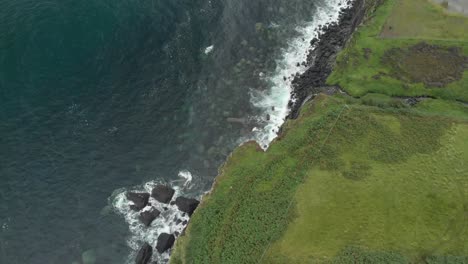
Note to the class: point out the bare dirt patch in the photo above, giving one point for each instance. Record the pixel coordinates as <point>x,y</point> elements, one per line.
<point>432,65</point>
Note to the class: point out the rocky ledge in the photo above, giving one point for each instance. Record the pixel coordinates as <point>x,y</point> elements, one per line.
<point>322,55</point>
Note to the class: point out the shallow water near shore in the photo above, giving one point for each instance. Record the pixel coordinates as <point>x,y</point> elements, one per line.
<point>99,97</point>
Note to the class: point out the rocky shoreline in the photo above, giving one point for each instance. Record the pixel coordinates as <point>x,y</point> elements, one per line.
<point>322,56</point>
<point>139,202</point>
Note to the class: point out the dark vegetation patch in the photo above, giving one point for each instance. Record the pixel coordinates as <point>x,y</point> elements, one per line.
<point>446,259</point>
<point>432,65</point>
<point>367,53</point>
<point>358,255</point>
<point>358,170</point>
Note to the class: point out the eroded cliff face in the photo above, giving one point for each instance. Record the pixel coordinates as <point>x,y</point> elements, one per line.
<point>324,51</point>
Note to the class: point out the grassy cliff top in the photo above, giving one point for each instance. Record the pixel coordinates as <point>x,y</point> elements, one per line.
<point>409,48</point>
<point>345,178</point>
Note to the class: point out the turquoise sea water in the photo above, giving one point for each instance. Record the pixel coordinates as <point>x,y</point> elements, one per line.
<point>97,95</point>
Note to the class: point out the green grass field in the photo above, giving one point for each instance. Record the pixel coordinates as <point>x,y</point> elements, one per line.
<point>382,198</point>
<point>380,181</point>
<point>420,19</point>
<point>365,178</point>
<point>366,64</point>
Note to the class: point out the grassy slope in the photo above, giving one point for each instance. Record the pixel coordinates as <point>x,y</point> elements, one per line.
<point>249,205</point>
<point>355,73</point>
<point>385,179</point>
<point>352,180</point>
<point>402,187</point>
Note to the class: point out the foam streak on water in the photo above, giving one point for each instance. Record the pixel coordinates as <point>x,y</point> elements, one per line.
<point>274,102</point>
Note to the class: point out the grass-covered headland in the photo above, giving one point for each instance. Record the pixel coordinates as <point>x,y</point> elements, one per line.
<point>362,178</point>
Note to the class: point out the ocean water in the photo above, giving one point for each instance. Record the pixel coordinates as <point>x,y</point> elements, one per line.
<point>102,96</point>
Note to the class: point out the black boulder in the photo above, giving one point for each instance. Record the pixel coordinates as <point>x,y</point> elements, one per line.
<point>162,193</point>
<point>187,205</point>
<point>144,255</point>
<point>165,242</point>
<point>140,200</point>
<point>147,217</point>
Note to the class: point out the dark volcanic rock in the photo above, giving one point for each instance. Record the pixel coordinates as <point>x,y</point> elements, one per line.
<point>162,193</point>
<point>144,255</point>
<point>165,242</point>
<point>147,217</point>
<point>322,55</point>
<point>187,205</point>
<point>140,200</point>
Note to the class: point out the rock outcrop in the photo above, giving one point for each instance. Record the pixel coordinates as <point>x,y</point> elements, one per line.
<point>140,200</point>
<point>165,242</point>
<point>147,217</point>
<point>187,205</point>
<point>144,255</point>
<point>322,55</point>
<point>162,193</point>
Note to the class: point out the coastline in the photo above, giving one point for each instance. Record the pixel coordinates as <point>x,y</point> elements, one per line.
<point>326,47</point>
<point>295,62</point>
<point>323,53</point>
<point>248,196</point>
<point>320,60</point>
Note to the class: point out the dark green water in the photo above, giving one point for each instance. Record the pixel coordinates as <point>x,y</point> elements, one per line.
<point>97,95</point>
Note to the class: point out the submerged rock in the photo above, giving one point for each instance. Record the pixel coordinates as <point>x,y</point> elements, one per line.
<point>162,193</point>
<point>187,205</point>
<point>144,255</point>
<point>147,217</point>
<point>140,200</point>
<point>165,242</point>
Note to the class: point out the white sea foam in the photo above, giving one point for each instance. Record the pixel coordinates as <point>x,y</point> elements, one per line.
<point>5,224</point>
<point>273,103</point>
<point>165,223</point>
<point>209,49</point>
<point>185,174</point>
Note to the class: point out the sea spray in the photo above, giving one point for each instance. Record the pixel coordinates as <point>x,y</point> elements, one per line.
<point>273,102</point>
<point>171,220</point>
